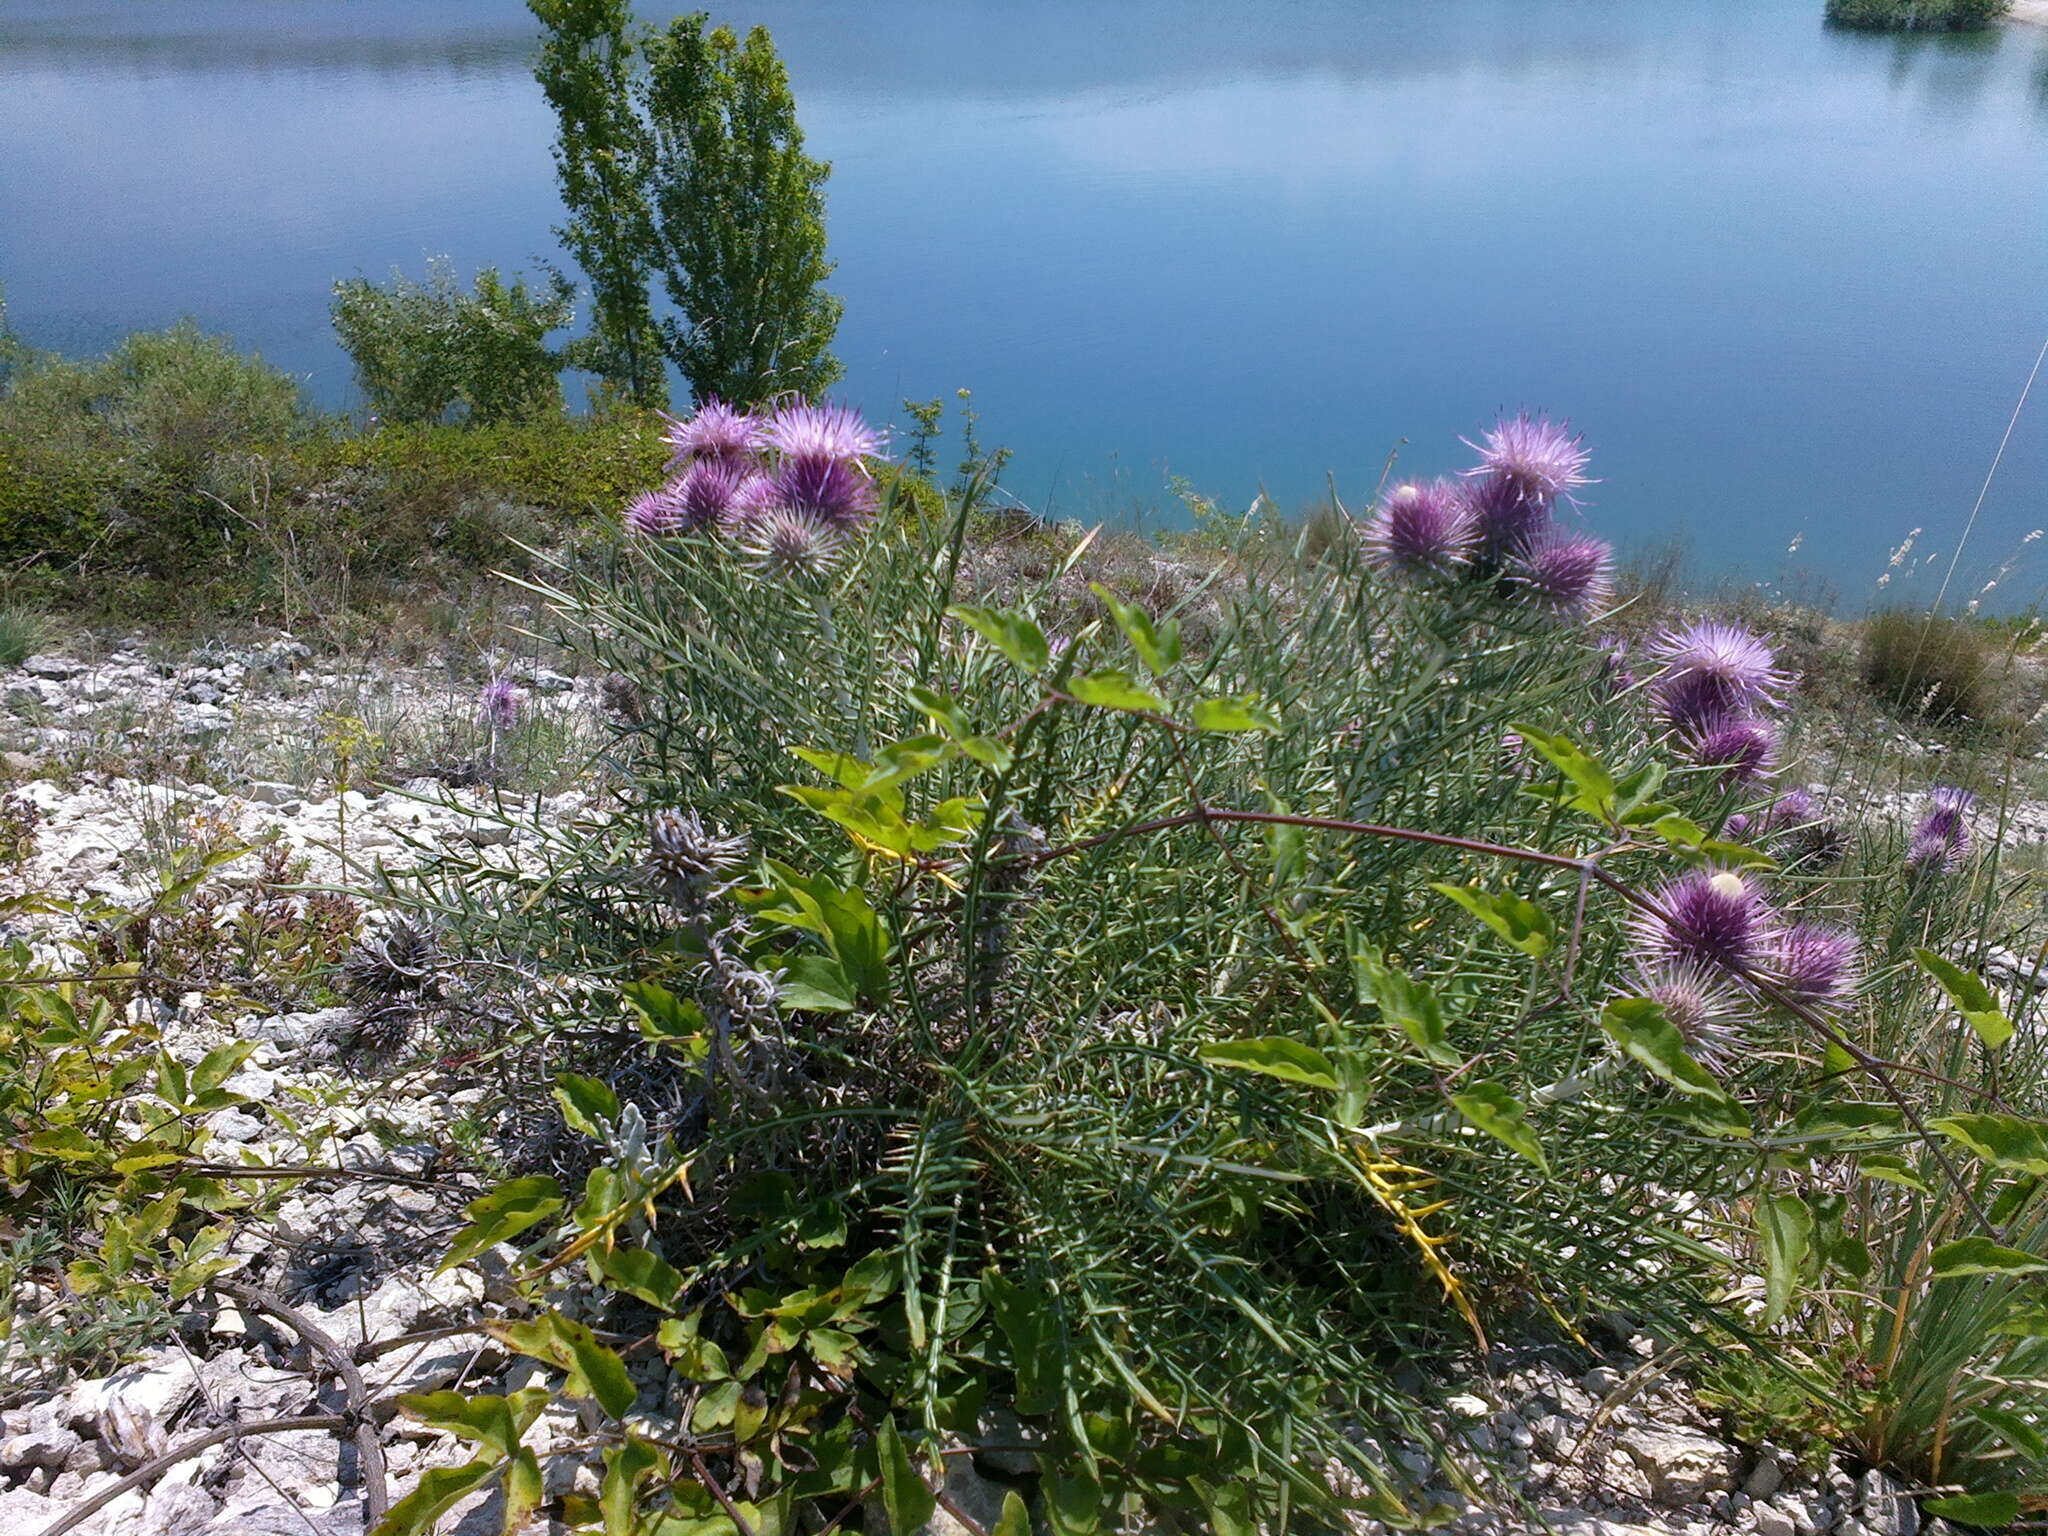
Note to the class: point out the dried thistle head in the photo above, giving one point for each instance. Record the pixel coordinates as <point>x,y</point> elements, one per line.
<point>399,963</point>
<point>684,856</point>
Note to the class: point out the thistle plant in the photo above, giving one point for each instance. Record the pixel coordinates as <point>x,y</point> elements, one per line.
<point>1059,1004</point>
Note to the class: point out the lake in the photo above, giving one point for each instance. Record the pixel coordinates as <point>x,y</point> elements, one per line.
<point>1789,281</point>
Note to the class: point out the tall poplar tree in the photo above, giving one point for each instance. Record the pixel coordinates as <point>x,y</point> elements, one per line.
<point>680,155</point>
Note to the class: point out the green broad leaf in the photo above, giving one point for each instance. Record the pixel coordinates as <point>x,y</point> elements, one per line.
<point>626,1467</point>
<point>1074,1506</point>
<point>1489,1107</point>
<point>1981,1256</point>
<point>902,761</point>
<point>1228,1505</point>
<point>1975,1508</point>
<point>905,1494</point>
<point>816,984</point>
<point>1015,1519</point>
<point>503,1214</point>
<point>171,1080</point>
<point>594,1371</point>
<point>2026,1320</point>
<point>2012,1199</point>
<point>1848,1122</point>
<point>1029,1321</point>
<point>1645,1036</point>
<point>848,771</point>
<point>664,1018</point>
<point>698,1358</point>
<point>1274,1056</point>
<point>2004,1141</point>
<point>641,1273</point>
<point>1234,712</point>
<point>1522,923</point>
<point>1634,795</point>
<point>1017,637</point>
<point>439,1490</point>
<point>1592,784</point>
<point>1111,688</point>
<point>220,1064</point>
<point>2015,1432</point>
<point>1892,1170</point>
<point>987,751</point>
<point>944,711</point>
<point>1409,1005</point>
<point>521,1491</point>
<point>1157,645</point>
<point>1972,998</point>
<point>1785,1225</point>
<point>587,1104</point>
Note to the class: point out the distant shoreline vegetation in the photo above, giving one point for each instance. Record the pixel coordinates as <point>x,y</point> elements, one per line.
<point>1916,15</point>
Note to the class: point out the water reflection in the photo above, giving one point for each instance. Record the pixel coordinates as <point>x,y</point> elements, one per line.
<point>1782,274</point>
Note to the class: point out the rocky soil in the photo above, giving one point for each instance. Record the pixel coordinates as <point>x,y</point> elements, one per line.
<point>335,1308</point>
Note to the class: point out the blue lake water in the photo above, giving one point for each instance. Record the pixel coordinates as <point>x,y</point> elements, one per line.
<point>1789,281</point>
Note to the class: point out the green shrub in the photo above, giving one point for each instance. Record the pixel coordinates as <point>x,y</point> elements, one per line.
<point>1932,669</point>
<point>429,352</point>
<point>127,457</point>
<point>1916,15</point>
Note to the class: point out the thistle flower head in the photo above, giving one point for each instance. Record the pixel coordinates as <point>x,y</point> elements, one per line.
<point>1534,459</point>
<point>684,856</point>
<point>1711,670</point>
<point>1745,748</point>
<point>1506,522</point>
<point>1942,839</point>
<point>823,431</point>
<point>829,490</point>
<point>1699,1003</point>
<point>1711,916</point>
<point>498,702</point>
<point>1814,963</point>
<point>1567,574</point>
<point>784,542</point>
<point>716,431</point>
<point>707,493</point>
<point>1424,528</point>
<point>654,514</point>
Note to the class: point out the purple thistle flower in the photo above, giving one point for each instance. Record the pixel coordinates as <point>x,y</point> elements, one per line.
<point>716,431</point>
<point>654,514</point>
<point>829,490</point>
<point>785,542</point>
<point>822,432</point>
<point>707,493</point>
<point>1814,963</point>
<point>1422,529</point>
<point>1507,523</point>
<point>1711,670</point>
<point>1712,916</point>
<point>1746,748</point>
<point>1793,808</point>
<point>1705,1010</point>
<point>1532,458</point>
<point>1942,839</point>
<point>1568,574</point>
<point>498,703</point>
